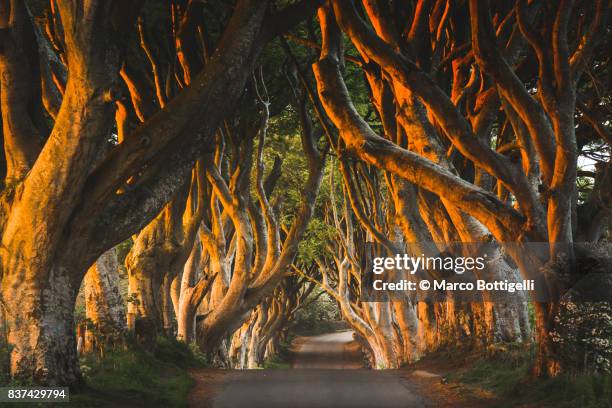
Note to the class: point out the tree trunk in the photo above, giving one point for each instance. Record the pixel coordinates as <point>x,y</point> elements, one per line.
<point>104,305</point>
<point>144,312</point>
<point>167,307</point>
<point>240,344</point>
<point>40,326</point>
<point>547,362</point>
<point>186,322</point>
<point>193,289</point>
<point>254,354</point>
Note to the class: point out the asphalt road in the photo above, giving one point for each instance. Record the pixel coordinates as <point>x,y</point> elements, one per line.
<point>332,351</point>
<point>327,373</point>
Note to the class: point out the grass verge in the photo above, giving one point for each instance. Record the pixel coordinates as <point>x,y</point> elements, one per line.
<point>139,378</point>
<point>507,375</point>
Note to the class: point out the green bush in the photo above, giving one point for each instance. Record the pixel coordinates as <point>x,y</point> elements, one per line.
<point>508,375</point>
<point>139,378</point>
<point>584,336</point>
<point>319,316</point>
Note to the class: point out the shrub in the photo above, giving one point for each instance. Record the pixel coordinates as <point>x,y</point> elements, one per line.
<point>584,335</point>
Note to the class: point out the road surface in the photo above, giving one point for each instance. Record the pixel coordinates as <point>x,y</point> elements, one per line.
<point>334,351</point>
<point>327,373</point>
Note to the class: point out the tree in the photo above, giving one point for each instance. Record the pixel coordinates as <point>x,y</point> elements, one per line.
<point>104,305</point>
<point>68,195</point>
<point>464,118</point>
<point>260,258</point>
<point>453,122</point>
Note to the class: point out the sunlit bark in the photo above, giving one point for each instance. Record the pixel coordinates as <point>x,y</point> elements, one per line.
<point>62,214</point>
<point>414,109</point>
<point>104,305</point>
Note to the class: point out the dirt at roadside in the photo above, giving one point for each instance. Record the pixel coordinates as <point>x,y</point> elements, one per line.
<point>429,376</point>
<point>209,382</point>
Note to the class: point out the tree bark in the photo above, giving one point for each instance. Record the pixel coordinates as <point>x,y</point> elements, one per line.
<point>104,305</point>
<point>40,326</point>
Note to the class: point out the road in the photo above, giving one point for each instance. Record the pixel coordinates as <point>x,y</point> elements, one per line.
<point>328,351</point>
<point>327,373</point>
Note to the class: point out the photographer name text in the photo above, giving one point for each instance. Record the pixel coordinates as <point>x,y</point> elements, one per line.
<point>444,285</point>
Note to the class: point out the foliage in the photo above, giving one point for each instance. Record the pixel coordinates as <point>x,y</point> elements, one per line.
<point>584,335</point>
<point>171,350</point>
<point>507,374</point>
<point>319,316</point>
<point>135,377</point>
<point>315,239</point>
<point>122,250</point>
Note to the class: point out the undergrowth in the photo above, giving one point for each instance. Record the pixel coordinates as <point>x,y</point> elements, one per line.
<point>138,378</point>
<point>507,374</point>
